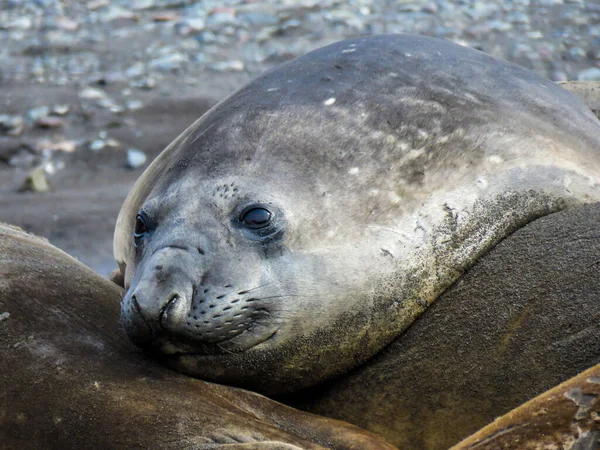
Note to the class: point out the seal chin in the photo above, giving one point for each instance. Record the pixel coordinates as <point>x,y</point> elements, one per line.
<point>172,347</point>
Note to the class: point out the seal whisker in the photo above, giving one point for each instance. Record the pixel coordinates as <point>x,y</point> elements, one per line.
<point>253,289</point>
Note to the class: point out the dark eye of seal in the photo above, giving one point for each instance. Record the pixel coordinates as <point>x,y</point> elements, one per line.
<point>256,217</point>
<point>140,230</point>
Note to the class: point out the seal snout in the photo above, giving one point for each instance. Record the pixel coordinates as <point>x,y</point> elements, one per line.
<point>159,313</point>
<point>174,312</point>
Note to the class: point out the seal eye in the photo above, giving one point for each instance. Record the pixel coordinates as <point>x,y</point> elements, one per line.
<point>140,230</point>
<point>256,217</point>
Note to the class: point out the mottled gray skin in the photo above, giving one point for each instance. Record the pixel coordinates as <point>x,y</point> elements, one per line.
<point>390,164</point>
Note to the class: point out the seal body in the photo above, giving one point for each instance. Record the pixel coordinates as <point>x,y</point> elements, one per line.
<point>306,221</point>
<point>72,380</point>
<point>522,319</point>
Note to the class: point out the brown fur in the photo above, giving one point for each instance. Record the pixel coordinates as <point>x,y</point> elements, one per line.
<point>71,379</point>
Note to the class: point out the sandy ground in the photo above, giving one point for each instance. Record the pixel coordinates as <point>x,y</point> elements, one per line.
<point>79,213</point>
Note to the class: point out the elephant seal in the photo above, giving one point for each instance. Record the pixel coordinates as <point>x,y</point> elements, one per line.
<point>306,221</point>
<point>71,379</point>
<point>524,318</point>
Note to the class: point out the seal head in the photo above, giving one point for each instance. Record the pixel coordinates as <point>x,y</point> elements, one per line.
<point>304,222</point>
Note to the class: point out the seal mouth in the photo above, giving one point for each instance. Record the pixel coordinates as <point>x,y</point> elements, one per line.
<point>177,347</point>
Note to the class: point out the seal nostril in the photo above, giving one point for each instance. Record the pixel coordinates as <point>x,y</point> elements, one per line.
<point>135,305</point>
<point>201,251</point>
<point>163,315</point>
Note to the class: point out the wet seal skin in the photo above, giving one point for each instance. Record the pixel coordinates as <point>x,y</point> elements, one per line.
<point>303,223</point>
<point>72,380</point>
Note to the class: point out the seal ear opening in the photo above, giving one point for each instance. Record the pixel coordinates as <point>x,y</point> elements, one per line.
<point>117,277</point>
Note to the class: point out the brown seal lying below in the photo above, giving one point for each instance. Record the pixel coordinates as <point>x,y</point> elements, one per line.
<point>71,380</point>
<point>567,416</point>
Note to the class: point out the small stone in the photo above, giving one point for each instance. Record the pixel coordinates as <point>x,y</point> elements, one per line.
<point>169,62</point>
<point>497,25</point>
<point>186,27</point>
<point>206,37</point>
<point>592,74</point>
<point>9,147</point>
<point>60,110</point>
<point>165,16</point>
<point>518,17</point>
<point>67,24</point>
<point>138,69</point>
<point>97,4</point>
<point>22,23</point>
<point>50,122</point>
<point>141,4</point>
<point>92,94</point>
<point>227,66</point>
<point>135,158</point>
<point>576,54</point>
<point>221,16</point>
<point>430,8</point>
<point>134,105</point>
<point>4,316</point>
<point>97,145</point>
<point>116,109</point>
<point>67,146</point>
<point>259,18</point>
<point>35,182</point>
<point>22,158</point>
<point>35,114</point>
<point>148,83</point>
<point>119,16</point>
<point>266,33</point>
<point>11,125</point>
<point>558,75</point>
<point>111,77</point>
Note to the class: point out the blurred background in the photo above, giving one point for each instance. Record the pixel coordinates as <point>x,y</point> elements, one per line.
<point>91,91</point>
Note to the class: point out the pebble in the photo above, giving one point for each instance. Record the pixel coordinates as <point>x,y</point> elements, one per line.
<point>60,110</point>
<point>11,125</point>
<point>592,74</point>
<point>134,105</point>
<point>92,94</point>
<point>97,145</point>
<point>64,145</point>
<point>22,158</point>
<point>168,63</point>
<point>138,69</point>
<point>135,158</point>
<point>50,122</point>
<point>36,181</point>
<point>39,113</point>
<point>227,66</point>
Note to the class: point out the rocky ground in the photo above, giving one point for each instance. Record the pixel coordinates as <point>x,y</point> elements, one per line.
<point>91,91</point>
